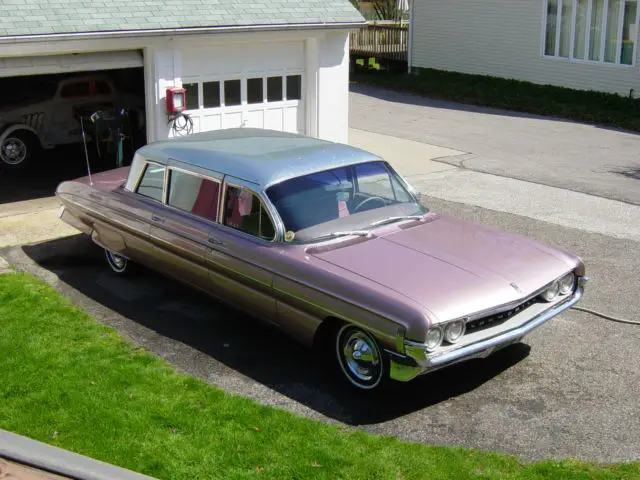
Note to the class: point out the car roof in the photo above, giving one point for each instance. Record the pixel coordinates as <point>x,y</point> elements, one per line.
<point>260,156</point>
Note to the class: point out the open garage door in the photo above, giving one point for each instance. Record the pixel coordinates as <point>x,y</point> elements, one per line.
<point>45,104</point>
<point>77,62</point>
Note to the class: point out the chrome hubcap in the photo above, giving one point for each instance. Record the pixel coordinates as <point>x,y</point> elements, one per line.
<point>117,261</point>
<point>13,151</point>
<point>361,357</point>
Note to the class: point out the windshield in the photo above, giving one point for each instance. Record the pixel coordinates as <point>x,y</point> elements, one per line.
<point>346,200</point>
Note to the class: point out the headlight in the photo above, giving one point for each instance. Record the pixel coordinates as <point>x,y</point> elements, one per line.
<point>550,293</point>
<point>566,283</point>
<point>454,331</point>
<point>434,338</point>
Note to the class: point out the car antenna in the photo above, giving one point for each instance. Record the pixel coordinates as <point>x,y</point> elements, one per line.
<point>86,154</point>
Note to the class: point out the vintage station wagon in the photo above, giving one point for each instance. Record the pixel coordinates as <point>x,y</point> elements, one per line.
<point>327,243</point>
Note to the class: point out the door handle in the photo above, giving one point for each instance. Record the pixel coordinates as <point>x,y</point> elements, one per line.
<point>155,218</point>
<point>215,241</point>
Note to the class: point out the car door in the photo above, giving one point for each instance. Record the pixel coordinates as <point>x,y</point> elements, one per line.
<point>180,227</point>
<point>238,248</point>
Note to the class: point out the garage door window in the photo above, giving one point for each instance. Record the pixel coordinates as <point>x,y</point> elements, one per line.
<point>255,93</point>
<point>232,93</point>
<point>274,89</point>
<point>294,87</point>
<point>193,99</point>
<point>211,94</point>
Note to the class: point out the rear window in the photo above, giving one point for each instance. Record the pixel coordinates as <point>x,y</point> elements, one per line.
<point>194,194</point>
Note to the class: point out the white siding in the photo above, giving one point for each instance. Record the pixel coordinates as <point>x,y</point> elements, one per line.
<point>503,38</point>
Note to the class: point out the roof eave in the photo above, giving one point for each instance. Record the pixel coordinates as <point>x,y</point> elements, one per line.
<point>180,31</point>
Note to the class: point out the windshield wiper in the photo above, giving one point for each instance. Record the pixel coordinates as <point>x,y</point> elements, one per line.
<point>394,219</point>
<point>361,233</point>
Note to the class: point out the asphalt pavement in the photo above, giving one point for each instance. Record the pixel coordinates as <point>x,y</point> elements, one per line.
<point>569,390</point>
<point>585,158</point>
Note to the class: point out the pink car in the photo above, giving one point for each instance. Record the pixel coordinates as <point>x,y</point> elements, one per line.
<point>327,243</point>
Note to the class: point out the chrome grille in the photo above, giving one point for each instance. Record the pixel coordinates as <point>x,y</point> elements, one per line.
<point>494,320</point>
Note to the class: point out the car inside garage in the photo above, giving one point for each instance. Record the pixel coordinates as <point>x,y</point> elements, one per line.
<point>63,114</point>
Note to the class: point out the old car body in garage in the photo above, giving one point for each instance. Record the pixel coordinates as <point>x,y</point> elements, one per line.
<point>329,244</point>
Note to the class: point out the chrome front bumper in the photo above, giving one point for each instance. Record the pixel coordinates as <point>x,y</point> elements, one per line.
<point>417,361</point>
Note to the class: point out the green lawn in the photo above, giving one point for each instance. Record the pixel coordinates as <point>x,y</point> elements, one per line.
<point>69,381</point>
<point>584,106</point>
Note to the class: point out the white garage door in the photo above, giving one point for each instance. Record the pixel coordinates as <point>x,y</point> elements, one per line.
<point>260,86</point>
<point>46,64</point>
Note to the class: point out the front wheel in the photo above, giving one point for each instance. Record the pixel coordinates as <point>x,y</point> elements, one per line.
<point>17,149</point>
<point>360,358</point>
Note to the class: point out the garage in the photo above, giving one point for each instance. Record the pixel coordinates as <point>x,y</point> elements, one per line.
<point>113,75</point>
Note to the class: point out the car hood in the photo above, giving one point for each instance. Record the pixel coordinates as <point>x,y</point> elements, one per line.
<point>452,267</point>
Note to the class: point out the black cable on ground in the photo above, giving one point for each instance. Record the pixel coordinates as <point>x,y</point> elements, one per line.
<point>606,317</point>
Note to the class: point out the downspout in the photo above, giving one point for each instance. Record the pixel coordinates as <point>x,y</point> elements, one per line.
<point>410,37</point>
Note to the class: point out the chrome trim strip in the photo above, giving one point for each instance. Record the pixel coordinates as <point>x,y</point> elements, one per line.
<point>470,350</point>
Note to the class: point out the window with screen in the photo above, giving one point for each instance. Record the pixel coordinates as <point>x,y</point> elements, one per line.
<point>194,194</point>
<point>244,211</point>
<point>152,182</point>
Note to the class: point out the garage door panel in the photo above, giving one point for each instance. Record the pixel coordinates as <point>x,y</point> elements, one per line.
<point>294,119</point>
<point>211,122</point>
<point>243,60</point>
<point>274,117</point>
<point>254,119</point>
<point>50,64</point>
<point>232,120</point>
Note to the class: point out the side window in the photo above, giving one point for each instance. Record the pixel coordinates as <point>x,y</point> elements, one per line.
<point>152,182</point>
<point>244,211</point>
<point>75,89</point>
<point>194,194</point>
<point>374,180</point>
<point>102,88</point>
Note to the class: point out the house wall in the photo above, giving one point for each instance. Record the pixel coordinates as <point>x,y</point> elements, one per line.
<point>504,38</point>
<point>324,61</point>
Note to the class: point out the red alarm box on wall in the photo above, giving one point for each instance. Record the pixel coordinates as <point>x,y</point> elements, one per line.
<point>176,100</point>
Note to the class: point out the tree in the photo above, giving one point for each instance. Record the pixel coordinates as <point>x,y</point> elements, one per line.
<point>387,10</point>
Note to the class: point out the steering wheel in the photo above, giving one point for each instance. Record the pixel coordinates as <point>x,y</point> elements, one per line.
<point>380,199</point>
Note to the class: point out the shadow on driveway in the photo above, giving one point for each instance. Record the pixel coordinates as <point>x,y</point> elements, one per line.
<point>239,350</point>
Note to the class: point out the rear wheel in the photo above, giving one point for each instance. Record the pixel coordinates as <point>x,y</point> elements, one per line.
<point>18,149</point>
<point>119,264</point>
<point>361,360</point>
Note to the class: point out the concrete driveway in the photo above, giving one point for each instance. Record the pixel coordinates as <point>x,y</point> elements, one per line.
<point>594,160</point>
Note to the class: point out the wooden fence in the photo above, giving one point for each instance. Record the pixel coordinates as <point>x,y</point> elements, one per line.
<point>382,39</point>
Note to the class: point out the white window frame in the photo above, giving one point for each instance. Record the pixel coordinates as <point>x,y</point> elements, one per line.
<point>574,14</point>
